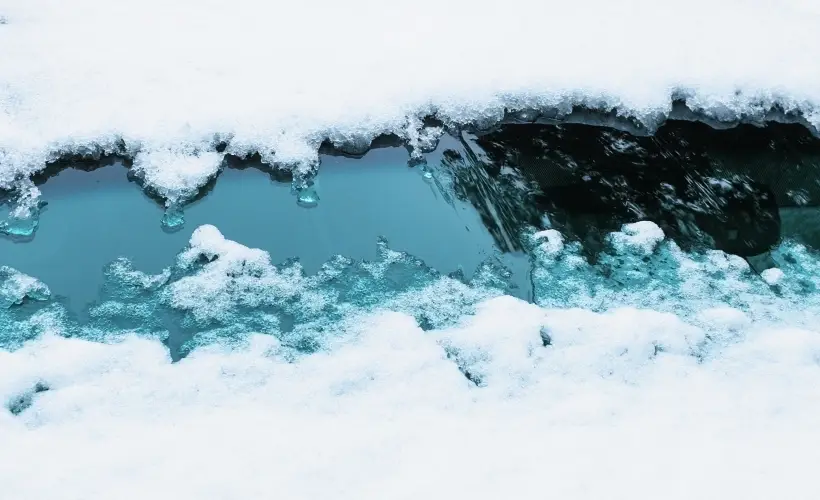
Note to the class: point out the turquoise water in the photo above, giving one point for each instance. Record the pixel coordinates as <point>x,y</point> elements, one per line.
<point>95,217</point>
<point>211,349</point>
<point>432,240</point>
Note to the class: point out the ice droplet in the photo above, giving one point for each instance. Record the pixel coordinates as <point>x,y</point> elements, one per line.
<point>307,197</point>
<point>174,218</point>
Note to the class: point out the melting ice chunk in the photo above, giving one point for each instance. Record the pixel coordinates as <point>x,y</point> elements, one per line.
<point>307,197</point>
<point>173,218</point>
<point>24,216</point>
<point>15,287</point>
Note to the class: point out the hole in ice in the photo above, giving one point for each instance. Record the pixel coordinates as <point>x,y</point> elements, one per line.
<point>488,191</point>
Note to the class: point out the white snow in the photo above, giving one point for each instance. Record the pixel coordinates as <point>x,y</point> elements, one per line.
<point>642,236</point>
<point>169,79</point>
<point>177,175</point>
<point>623,403</point>
<point>772,276</point>
<point>234,275</point>
<point>599,414</point>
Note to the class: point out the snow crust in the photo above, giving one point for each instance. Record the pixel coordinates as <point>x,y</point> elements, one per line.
<point>705,393</point>
<point>167,81</point>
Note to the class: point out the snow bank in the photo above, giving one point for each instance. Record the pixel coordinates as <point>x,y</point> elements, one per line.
<point>707,392</point>
<point>170,81</point>
<point>599,413</point>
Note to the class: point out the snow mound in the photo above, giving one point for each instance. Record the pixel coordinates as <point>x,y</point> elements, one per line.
<point>697,369</point>
<point>176,84</point>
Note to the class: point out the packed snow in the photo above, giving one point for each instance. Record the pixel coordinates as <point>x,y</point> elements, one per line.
<point>167,81</point>
<point>705,395</point>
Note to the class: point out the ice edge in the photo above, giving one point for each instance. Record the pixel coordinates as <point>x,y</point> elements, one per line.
<point>175,170</point>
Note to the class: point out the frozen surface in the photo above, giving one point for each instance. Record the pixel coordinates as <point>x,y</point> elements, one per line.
<point>166,81</point>
<point>667,376</point>
<point>697,380</point>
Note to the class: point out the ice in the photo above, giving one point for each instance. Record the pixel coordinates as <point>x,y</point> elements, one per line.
<point>307,197</point>
<point>15,287</point>
<point>165,82</point>
<point>24,211</point>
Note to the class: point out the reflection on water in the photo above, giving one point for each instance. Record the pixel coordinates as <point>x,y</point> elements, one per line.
<point>723,189</point>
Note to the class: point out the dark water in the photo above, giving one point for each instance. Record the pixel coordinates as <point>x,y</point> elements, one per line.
<point>723,189</point>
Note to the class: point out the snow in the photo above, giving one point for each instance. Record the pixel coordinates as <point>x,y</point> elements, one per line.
<point>772,276</point>
<point>166,81</point>
<point>177,175</point>
<point>643,236</point>
<point>234,276</point>
<point>701,395</point>
<point>598,414</point>
<point>693,391</point>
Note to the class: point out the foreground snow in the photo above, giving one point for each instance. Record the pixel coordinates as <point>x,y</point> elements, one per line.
<point>711,393</point>
<point>387,415</point>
